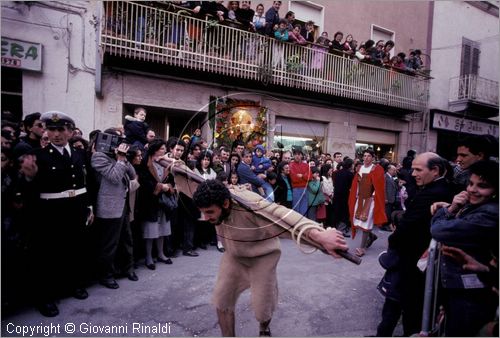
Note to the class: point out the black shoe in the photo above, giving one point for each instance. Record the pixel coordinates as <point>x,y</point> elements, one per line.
<point>132,276</point>
<point>265,333</point>
<point>346,234</point>
<point>151,266</point>
<point>48,309</point>
<point>220,248</point>
<point>80,293</point>
<point>166,261</point>
<point>203,246</point>
<point>190,253</point>
<point>109,283</point>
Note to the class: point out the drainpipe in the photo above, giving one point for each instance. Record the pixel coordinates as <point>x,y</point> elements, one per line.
<point>430,23</point>
<point>98,58</point>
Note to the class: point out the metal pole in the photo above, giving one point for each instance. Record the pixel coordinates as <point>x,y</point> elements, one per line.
<point>427,312</point>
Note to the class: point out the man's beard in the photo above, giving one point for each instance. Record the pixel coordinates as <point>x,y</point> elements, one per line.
<point>223,216</point>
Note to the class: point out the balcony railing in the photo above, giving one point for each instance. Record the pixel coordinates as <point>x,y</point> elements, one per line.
<point>179,39</point>
<point>474,88</point>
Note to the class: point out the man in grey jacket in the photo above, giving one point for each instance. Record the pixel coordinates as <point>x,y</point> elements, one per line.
<point>113,173</point>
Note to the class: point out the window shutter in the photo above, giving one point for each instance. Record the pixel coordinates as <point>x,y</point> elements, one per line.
<point>465,60</point>
<point>469,64</point>
<point>475,61</point>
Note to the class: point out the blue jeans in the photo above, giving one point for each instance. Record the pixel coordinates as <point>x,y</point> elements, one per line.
<point>300,200</point>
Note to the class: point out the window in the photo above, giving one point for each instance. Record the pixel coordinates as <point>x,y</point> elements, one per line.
<point>380,33</point>
<point>305,11</point>
<point>469,64</point>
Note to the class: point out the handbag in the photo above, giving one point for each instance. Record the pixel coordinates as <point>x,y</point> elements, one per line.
<point>168,202</point>
<point>321,211</point>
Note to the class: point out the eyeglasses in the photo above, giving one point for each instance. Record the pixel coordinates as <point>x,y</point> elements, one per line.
<point>380,46</point>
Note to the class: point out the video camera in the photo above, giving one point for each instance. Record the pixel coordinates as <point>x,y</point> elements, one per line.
<point>107,143</point>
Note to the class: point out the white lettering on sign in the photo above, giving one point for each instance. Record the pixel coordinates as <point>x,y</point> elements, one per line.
<point>463,125</point>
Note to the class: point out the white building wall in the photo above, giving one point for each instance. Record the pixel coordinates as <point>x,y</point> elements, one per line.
<point>66,82</point>
<point>452,21</point>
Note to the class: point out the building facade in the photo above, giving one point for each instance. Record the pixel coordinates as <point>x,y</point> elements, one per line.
<point>98,60</point>
<point>464,90</point>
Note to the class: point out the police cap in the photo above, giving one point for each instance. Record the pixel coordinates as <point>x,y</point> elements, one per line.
<point>56,119</point>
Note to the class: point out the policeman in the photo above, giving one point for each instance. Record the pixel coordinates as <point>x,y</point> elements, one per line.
<point>56,175</point>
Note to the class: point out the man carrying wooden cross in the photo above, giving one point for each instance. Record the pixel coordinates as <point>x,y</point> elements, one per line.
<point>250,226</point>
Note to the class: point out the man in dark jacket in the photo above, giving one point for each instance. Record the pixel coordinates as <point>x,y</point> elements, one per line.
<point>56,176</point>
<point>272,17</point>
<point>341,187</point>
<point>412,236</point>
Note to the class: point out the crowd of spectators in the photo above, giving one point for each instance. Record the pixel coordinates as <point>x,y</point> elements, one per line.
<point>285,28</point>
<point>151,223</point>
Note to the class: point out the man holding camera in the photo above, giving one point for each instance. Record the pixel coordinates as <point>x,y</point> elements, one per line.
<point>55,178</point>
<point>113,173</point>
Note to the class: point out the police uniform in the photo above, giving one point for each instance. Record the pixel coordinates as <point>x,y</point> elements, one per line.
<point>62,210</point>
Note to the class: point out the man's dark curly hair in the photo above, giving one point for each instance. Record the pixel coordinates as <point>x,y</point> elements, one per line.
<point>211,192</point>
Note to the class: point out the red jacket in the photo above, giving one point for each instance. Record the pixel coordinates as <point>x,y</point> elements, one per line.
<point>299,168</point>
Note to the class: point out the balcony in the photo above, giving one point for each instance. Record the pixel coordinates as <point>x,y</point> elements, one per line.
<point>474,93</point>
<point>180,43</point>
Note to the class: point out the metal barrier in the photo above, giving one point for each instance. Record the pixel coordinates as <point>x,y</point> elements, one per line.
<point>432,316</point>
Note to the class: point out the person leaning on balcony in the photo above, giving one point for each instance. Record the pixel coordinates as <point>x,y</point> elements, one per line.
<point>348,46</point>
<point>386,58</point>
<point>308,31</point>
<point>294,36</point>
<point>290,18</point>
<point>377,52</point>
<point>216,9</point>
<point>335,44</point>
<point>245,14</point>
<point>259,20</point>
<point>282,32</point>
<point>272,18</point>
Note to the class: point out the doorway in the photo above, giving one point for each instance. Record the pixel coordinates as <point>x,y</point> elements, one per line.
<point>166,122</point>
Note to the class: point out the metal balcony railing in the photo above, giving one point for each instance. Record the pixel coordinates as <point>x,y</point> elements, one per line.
<point>474,88</point>
<point>179,39</point>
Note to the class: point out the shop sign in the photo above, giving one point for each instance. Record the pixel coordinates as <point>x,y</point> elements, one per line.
<point>463,125</point>
<point>21,54</point>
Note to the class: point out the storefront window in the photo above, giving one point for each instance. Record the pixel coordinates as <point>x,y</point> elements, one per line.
<point>381,150</point>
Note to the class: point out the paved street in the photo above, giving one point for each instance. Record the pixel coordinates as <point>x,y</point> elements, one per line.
<point>319,296</point>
